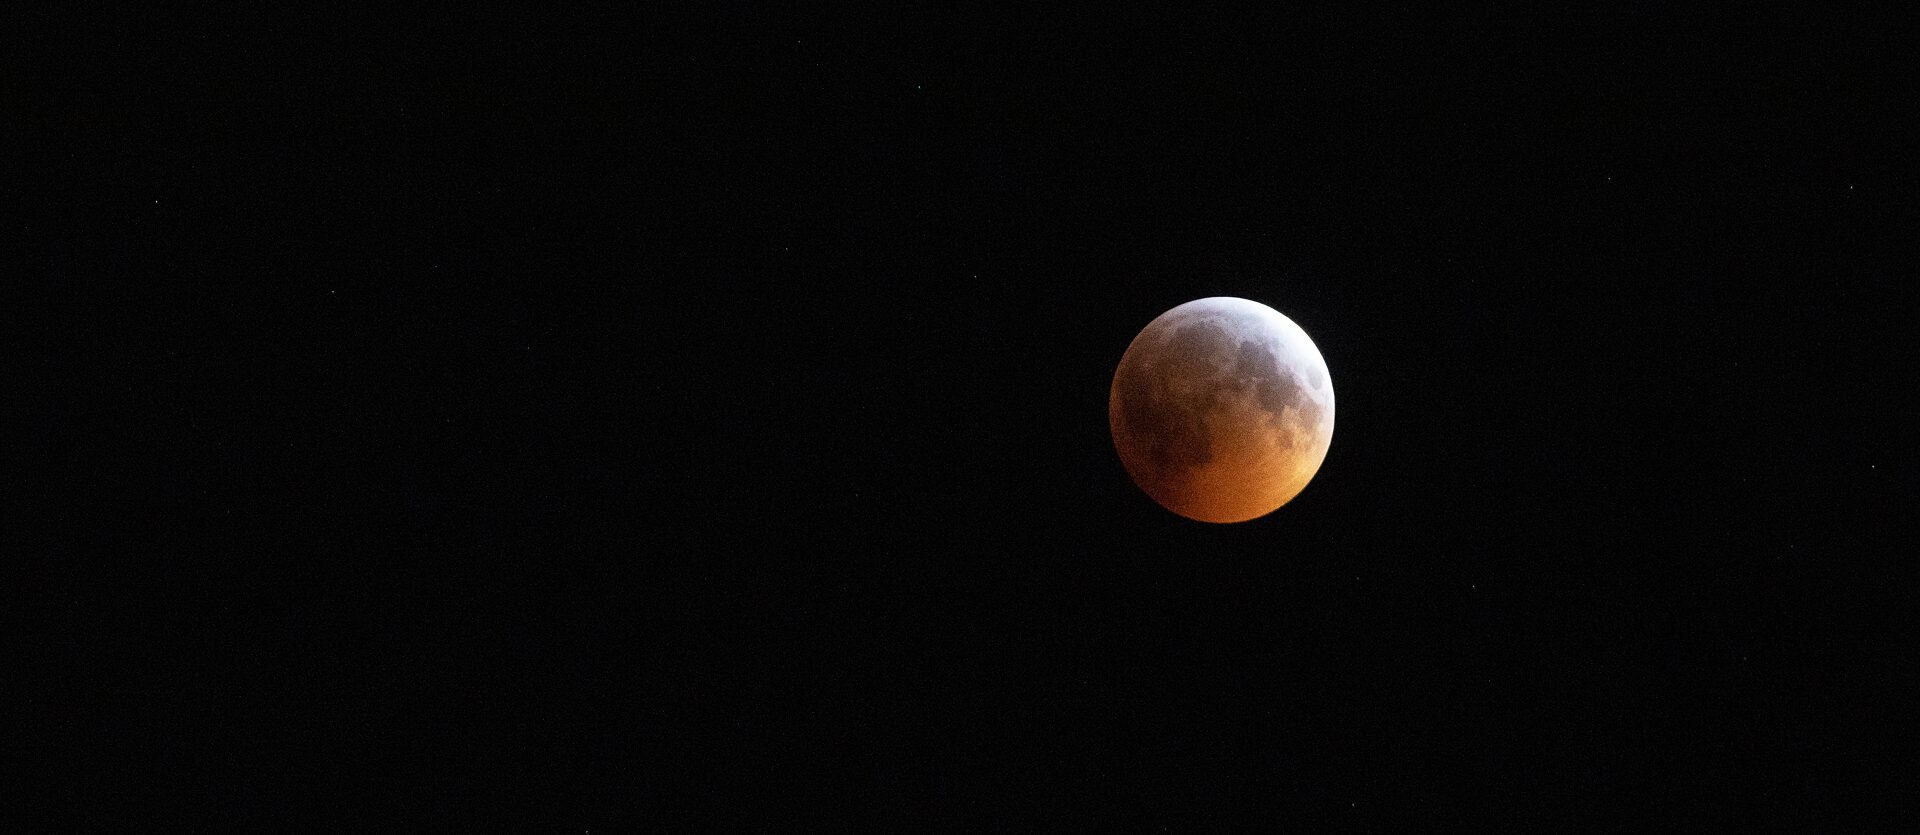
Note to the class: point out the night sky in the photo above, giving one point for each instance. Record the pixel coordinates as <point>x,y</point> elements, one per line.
<point>698,415</point>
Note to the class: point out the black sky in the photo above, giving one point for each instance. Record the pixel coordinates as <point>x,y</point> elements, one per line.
<point>698,414</point>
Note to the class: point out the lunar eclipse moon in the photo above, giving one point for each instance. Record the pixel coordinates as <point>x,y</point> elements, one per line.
<point>1221,409</point>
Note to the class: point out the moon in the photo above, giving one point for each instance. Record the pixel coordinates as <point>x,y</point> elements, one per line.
<point>1222,409</point>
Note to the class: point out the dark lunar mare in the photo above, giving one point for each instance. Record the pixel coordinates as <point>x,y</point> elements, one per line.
<point>1275,389</point>
<point>1174,427</point>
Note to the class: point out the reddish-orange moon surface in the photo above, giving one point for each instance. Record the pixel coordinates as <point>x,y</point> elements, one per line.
<point>1222,409</point>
